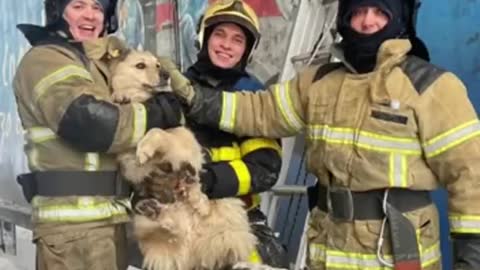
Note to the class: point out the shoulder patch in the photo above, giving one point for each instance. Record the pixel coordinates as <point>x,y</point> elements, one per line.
<point>325,69</point>
<point>420,72</point>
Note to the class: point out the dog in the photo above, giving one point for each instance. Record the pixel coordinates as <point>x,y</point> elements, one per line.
<point>190,232</point>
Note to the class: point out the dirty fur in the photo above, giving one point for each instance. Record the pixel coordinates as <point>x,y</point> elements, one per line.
<point>190,232</point>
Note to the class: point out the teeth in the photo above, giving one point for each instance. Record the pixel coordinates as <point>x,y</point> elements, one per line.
<point>224,55</point>
<point>86,27</point>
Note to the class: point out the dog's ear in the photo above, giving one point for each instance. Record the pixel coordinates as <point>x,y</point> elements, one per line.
<point>124,54</point>
<point>114,60</point>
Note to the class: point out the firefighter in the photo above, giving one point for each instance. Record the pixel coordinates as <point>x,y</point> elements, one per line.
<point>235,166</point>
<point>74,131</point>
<point>383,128</point>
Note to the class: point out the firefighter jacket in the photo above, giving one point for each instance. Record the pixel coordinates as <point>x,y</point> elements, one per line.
<point>238,166</point>
<point>407,124</point>
<point>63,98</point>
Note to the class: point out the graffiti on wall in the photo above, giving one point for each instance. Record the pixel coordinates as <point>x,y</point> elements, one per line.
<point>131,23</point>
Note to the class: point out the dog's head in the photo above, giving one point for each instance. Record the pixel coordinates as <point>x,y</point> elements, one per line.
<point>139,71</point>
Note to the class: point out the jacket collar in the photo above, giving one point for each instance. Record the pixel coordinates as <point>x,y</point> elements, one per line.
<point>109,46</point>
<point>391,52</point>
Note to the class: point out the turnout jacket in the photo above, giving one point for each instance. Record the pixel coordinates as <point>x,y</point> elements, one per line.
<point>408,124</point>
<point>63,99</point>
<point>238,166</point>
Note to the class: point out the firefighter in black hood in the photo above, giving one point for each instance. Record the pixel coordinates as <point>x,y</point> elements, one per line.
<point>383,128</point>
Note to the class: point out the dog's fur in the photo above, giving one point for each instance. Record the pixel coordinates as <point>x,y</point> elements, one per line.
<point>190,231</point>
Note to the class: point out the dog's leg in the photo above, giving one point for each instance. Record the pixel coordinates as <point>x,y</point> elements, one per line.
<point>149,208</point>
<point>155,141</point>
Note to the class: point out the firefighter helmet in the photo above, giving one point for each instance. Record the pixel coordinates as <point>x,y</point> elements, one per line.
<point>54,11</point>
<point>235,11</point>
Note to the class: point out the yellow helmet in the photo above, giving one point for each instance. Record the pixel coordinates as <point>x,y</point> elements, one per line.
<point>235,11</point>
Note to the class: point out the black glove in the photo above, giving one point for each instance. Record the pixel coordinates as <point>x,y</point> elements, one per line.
<point>207,181</point>
<point>466,251</point>
<point>163,111</point>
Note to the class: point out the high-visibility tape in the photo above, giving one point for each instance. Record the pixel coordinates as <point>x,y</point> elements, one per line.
<point>243,176</point>
<point>60,75</point>
<point>254,144</point>
<point>451,138</point>
<point>285,104</point>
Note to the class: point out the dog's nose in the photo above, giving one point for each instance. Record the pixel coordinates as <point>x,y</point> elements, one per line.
<point>164,75</point>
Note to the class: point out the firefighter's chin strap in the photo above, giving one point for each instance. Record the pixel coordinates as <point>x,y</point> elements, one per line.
<point>382,232</point>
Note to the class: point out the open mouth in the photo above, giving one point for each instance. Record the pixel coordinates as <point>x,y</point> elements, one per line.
<point>223,55</point>
<point>86,29</point>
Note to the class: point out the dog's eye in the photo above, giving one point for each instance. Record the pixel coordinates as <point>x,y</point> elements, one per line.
<point>140,66</point>
<point>158,66</point>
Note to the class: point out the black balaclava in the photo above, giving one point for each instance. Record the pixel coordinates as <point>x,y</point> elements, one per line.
<point>361,50</point>
<point>205,66</point>
<point>62,25</point>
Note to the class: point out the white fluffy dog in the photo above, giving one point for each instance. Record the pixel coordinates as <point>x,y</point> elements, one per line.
<point>190,232</point>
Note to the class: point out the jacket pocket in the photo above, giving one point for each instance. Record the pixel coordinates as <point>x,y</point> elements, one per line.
<point>387,121</point>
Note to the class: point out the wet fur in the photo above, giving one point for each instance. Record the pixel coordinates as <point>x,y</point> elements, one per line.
<point>190,231</point>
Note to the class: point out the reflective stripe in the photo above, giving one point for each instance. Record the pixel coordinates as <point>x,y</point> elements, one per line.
<point>58,76</point>
<point>284,103</point>
<point>32,156</point>
<point>139,122</point>
<point>243,175</point>
<point>396,147</point>
<point>256,200</point>
<point>229,107</point>
<point>226,153</point>
<point>452,138</point>
<point>365,139</point>
<point>251,145</point>
<point>39,134</point>
<point>464,224</point>
<point>398,170</point>
<point>85,210</point>
<point>34,136</point>
<point>254,257</point>
<point>361,261</point>
<point>92,161</point>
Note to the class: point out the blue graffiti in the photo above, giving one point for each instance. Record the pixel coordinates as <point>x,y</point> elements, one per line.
<point>12,48</point>
<point>131,23</point>
<point>190,13</point>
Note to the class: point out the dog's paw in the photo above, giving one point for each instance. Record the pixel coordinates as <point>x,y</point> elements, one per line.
<point>149,208</point>
<point>120,97</point>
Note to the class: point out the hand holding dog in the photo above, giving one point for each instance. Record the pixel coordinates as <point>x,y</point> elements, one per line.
<point>180,84</point>
<point>163,111</point>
